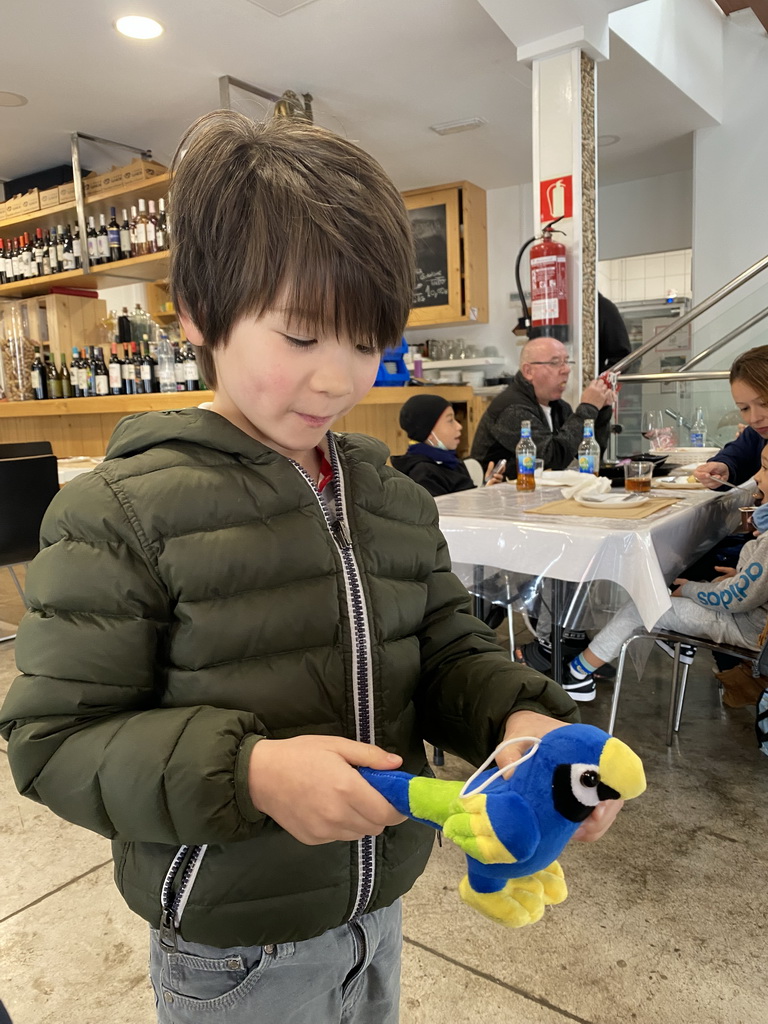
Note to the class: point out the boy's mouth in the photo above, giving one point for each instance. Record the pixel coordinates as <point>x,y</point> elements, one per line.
<point>315,421</point>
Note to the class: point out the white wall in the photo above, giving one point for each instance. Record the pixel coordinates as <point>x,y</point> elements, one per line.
<point>646,216</point>
<point>730,197</point>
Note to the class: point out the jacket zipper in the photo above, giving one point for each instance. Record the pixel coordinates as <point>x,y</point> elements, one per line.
<point>173,904</point>
<point>362,668</point>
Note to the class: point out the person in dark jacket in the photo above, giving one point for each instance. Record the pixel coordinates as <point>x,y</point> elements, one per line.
<point>238,608</point>
<point>434,434</point>
<point>536,394</point>
<point>612,335</point>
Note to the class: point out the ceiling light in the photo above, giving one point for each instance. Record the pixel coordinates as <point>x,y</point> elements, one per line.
<point>12,99</point>
<point>608,140</point>
<point>136,27</point>
<point>449,127</point>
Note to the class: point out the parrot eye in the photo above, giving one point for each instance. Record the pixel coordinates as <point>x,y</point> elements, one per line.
<point>585,780</point>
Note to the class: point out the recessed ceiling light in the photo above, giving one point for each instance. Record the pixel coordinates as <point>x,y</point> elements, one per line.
<point>608,140</point>
<point>449,127</point>
<point>136,27</point>
<point>12,99</point>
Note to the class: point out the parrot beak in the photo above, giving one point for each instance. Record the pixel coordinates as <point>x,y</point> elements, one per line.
<point>621,770</point>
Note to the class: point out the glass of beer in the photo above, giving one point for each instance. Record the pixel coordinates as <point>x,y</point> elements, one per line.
<point>637,477</point>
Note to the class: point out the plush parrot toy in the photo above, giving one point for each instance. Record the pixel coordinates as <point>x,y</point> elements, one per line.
<point>513,829</point>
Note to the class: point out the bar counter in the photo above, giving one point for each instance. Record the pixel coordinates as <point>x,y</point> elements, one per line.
<point>83,426</point>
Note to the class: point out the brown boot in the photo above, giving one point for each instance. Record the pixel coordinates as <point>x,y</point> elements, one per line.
<point>740,688</point>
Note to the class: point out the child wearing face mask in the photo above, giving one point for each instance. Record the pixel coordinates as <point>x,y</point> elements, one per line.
<point>431,460</point>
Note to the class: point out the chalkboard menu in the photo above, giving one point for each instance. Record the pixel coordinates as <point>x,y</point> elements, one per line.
<point>429,227</point>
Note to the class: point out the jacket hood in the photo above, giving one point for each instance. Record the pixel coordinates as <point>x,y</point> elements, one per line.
<point>143,431</point>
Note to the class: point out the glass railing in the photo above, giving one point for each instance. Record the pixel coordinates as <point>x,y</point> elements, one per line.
<point>686,367</point>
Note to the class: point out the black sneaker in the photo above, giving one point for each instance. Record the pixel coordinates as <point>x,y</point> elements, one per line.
<point>687,651</point>
<point>580,689</point>
<point>536,656</point>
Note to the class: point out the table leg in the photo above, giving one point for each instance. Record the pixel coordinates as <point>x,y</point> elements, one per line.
<point>558,601</point>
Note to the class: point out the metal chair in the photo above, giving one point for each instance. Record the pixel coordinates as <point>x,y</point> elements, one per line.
<point>679,680</point>
<point>27,487</point>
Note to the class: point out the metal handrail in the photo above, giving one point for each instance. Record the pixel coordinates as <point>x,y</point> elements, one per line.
<point>662,378</point>
<point>724,341</point>
<point>696,312</point>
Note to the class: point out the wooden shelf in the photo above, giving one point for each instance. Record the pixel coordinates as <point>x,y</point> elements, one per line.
<point>22,219</point>
<point>106,275</point>
<point>123,404</point>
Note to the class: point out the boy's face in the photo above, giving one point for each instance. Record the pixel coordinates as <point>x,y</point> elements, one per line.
<point>287,387</point>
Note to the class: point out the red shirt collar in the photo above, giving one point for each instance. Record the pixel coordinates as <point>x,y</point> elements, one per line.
<point>326,471</point>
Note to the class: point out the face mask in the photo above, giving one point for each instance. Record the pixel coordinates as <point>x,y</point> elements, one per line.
<point>760,518</point>
<point>437,443</point>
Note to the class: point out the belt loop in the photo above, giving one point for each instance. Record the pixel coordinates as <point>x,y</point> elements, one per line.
<point>284,949</point>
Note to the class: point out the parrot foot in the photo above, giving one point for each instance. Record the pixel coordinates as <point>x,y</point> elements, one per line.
<point>522,900</point>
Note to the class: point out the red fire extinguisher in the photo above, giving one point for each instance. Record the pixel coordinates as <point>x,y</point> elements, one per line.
<point>549,287</point>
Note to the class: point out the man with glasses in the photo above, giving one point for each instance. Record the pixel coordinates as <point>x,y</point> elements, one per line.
<point>536,394</point>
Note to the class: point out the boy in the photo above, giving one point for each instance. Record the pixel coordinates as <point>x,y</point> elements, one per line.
<point>732,609</point>
<point>238,608</point>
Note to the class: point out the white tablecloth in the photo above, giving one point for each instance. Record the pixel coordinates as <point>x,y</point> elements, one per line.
<point>488,526</point>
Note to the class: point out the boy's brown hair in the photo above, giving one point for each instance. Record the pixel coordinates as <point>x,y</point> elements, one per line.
<point>285,213</point>
<point>752,368</point>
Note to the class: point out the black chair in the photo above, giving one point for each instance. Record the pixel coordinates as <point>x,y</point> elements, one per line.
<point>27,487</point>
<point>23,449</point>
<point>679,680</point>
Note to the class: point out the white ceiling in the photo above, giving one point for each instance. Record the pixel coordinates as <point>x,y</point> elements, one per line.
<point>381,72</point>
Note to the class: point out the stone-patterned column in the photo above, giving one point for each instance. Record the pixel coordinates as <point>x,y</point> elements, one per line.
<point>588,219</point>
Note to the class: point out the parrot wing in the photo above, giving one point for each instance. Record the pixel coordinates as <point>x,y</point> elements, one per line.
<point>494,828</point>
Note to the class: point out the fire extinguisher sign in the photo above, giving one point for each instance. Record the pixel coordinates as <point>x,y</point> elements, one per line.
<point>556,198</point>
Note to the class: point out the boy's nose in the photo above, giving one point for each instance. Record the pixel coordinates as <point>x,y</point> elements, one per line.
<point>333,375</point>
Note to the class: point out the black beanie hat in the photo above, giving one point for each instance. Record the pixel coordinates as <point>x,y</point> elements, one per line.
<point>420,413</point>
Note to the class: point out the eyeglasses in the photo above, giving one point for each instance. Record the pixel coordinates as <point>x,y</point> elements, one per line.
<point>556,364</point>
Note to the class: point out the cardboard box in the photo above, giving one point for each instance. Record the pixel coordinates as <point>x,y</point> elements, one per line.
<point>30,201</point>
<point>139,170</point>
<point>94,184</point>
<point>13,207</point>
<point>67,192</point>
<point>49,197</point>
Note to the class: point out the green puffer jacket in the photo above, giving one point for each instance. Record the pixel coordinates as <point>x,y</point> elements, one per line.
<point>193,595</point>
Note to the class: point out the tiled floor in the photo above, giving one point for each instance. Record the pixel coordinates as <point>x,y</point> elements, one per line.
<point>665,921</point>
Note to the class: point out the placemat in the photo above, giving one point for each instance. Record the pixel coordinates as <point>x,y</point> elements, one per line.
<point>569,507</point>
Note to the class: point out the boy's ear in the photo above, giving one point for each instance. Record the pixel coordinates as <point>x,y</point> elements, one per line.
<point>191,331</point>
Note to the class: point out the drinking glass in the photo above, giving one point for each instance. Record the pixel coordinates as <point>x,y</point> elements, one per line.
<point>652,425</point>
<point>637,477</point>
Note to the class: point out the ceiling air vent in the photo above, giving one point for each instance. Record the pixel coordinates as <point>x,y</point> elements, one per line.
<point>280,7</point>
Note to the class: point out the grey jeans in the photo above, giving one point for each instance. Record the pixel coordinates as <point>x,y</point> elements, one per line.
<point>348,975</point>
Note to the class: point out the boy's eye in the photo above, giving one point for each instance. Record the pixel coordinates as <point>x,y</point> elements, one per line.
<point>367,350</point>
<point>300,342</point>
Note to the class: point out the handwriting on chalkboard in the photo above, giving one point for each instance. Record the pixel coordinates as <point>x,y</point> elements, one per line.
<point>428,225</point>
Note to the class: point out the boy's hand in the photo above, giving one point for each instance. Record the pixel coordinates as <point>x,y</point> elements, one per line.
<point>722,572</point>
<point>529,723</point>
<point>308,785</point>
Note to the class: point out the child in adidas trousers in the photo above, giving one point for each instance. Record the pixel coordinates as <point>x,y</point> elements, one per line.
<point>731,609</point>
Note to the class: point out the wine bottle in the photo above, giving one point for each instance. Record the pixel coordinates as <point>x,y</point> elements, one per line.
<point>161,231</point>
<point>132,223</point>
<point>147,367</point>
<point>39,252</point>
<point>114,236</point>
<point>53,252</point>
<point>102,240</point>
<point>138,380</point>
<point>115,372</point>
<point>69,251</point>
<point>66,378</point>
<point>142,221</point>
<point>38,376</point>
<point>92,242</point>
<point>124,327</point>
<point>190,369</point>
<point>100,374</point>
<point>125,237</point>
<point>129,378</point>
<point>77,247</point>
<point>25,257</point>
<point>151,228</point>
<point>2,262</point>
<point>179,371</point>
<point>52,378</point>
<point>60,245</point>
<point>76,390</point>
<point>8,268</point>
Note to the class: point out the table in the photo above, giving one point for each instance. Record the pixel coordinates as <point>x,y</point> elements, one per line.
<point>74,466</point>
<point>488,526</point>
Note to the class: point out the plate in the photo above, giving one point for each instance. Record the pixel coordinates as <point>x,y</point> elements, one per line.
<point>612,500</point>
<point>676,483</point>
